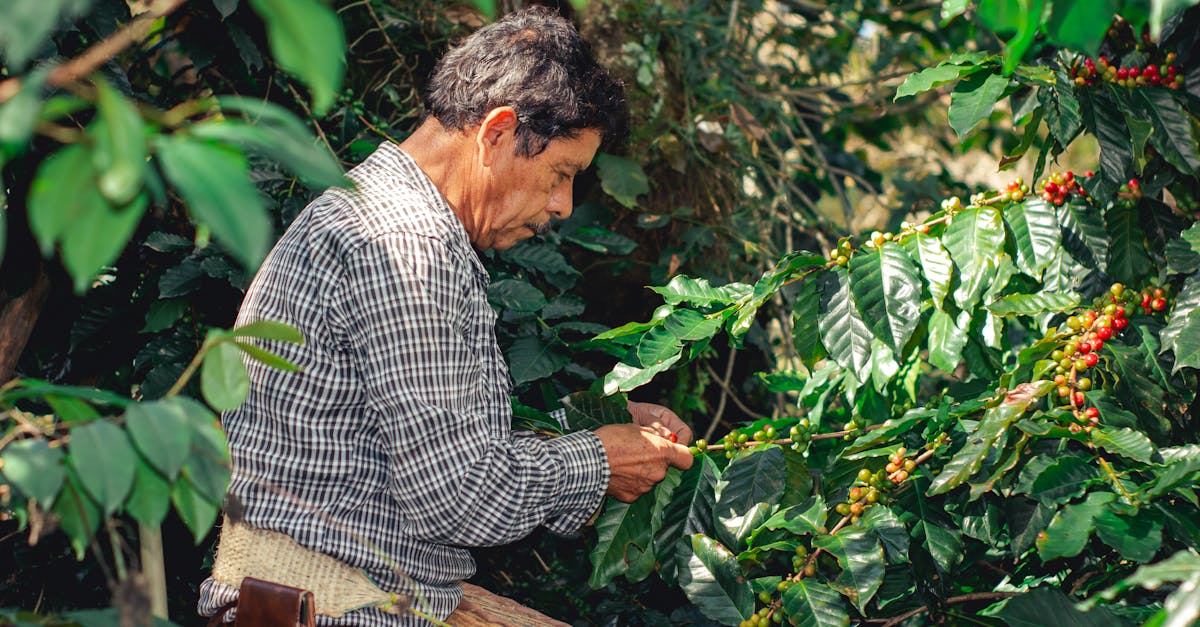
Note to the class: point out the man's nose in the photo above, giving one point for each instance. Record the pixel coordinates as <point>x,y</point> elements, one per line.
<point>562,201</point>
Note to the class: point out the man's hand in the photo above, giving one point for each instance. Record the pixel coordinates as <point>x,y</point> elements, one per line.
<point>638,458</point>
<point>664,421</point>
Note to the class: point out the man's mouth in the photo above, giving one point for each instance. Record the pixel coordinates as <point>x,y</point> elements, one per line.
<point>539,229</point>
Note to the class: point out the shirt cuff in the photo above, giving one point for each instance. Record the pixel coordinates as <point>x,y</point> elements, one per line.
<point>582,482</point>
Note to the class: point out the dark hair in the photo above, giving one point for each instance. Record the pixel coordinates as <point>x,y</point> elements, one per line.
<point>536,62</point>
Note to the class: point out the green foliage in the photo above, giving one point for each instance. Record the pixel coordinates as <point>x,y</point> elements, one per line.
<point>1053,404</point>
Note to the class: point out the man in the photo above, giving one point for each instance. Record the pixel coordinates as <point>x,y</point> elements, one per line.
<point>392,450</point>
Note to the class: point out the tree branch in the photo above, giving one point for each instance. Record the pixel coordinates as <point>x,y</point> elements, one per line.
<point>102,51</point>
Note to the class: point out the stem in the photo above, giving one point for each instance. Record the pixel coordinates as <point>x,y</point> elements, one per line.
<point>150,539</point>
<point>114,540</point>
<point>189,371</point>
<point>1108,469</point>
<point>133,31</point>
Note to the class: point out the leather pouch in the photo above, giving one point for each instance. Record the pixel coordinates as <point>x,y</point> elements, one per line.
<point>265,604</point>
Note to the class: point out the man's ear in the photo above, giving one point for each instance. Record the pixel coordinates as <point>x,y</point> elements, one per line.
<point>497,134</point>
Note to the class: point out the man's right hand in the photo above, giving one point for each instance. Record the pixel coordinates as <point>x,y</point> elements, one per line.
<point>638,458</point>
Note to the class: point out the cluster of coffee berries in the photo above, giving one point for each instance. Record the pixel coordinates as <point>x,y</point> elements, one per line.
<point>1056,188</point>
<point>1093,72</point>
<point>1086,334</point>
<point>952,204</point>
<point>841,255</point>
<point>799,437</point>
<point>1154,300</point>
<point>1016,190</point>
<point>1129,194</point>
<point>764,616</point>
<point>859,498</point>
<point>800,565</point>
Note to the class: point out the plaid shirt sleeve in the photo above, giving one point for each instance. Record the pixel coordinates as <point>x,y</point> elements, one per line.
<point>422,335</point>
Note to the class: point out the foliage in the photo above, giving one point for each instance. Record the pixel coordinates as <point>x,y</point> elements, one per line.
<point>977,386</point>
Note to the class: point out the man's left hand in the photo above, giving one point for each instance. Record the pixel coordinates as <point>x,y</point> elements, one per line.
<point>661,419</point>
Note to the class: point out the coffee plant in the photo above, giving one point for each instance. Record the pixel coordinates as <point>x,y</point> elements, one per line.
<point>994,406</point>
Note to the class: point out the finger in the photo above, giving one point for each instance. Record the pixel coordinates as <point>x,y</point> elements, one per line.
<point>680,457</point>
<point>684,434</point>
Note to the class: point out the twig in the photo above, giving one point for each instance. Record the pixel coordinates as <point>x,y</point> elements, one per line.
<point>101,52</point>
<point>724,383</point>
<point>308,112</point>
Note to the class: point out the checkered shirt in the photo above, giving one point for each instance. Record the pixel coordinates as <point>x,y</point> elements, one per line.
<point>392,449</point>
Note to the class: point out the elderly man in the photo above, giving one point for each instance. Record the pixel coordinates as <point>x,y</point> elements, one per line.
<point>392,450</point>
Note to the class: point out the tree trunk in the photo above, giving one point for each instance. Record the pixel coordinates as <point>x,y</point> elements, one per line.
<point>17,319</point>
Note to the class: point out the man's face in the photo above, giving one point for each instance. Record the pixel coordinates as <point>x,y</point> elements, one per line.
<point>523,194</point>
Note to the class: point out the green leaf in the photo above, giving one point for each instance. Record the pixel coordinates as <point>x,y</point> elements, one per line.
<point>891,533</point>
<point>19,115</point>
<point>1178,325</point>
<point>1181,566</point>
<point>530,359</point>
<point>516,295</point>
<point>78,515</point>
<point>929,78</point>
<point>807,518</point>
<point>223,378</point>
<point>623,534</point>
<point>996,420</point>
<point>1136,538</point>
<point>35,469</point>
<point>657,346</point>
<point>1036,234</point>
<point>150,498</point>
<point>1083,233</point>
<point>699,293</point>
<point>1033,304</point>
<point>621,178</point>
<point>215,183</point>
<point>1187,346</point>
<point>599,240</point>
<point>861,559</point>
<point>163,314</point>
<point>1070,528</point>
<point>1049,606</point>
<point>1128,260</point>
<point>690,511</point>
<point>689,324</point>
<point>887,292</point>
<point>278,136</point>
<point>161,431</point>
<point>624,377</point>
<point>1125,442</point>
<point>270,330</point>
<point>806,335</point>
<point>58,194</point>
<point>1061,106</point>
<point>1055,480</point>
<point>1110,129</point>
<point>196,511</point>
<point>751,478</point>
<point>712,579</point>
<point>973,99</point>
<point>843,332</point>
<point>975,239</point>
<point>947,339</point>
<point>267,357</point>
<point>1080,25</point>
<point>28,24</point>
<point>119,152</point>
<point>590,411</point>
<point>1173,135</point>
<point>814,604</point>
<point>1026,519</point>
<point>306,39</point>
<point>936,265</point>
<point>100,452</point>
<point>97,235</point>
